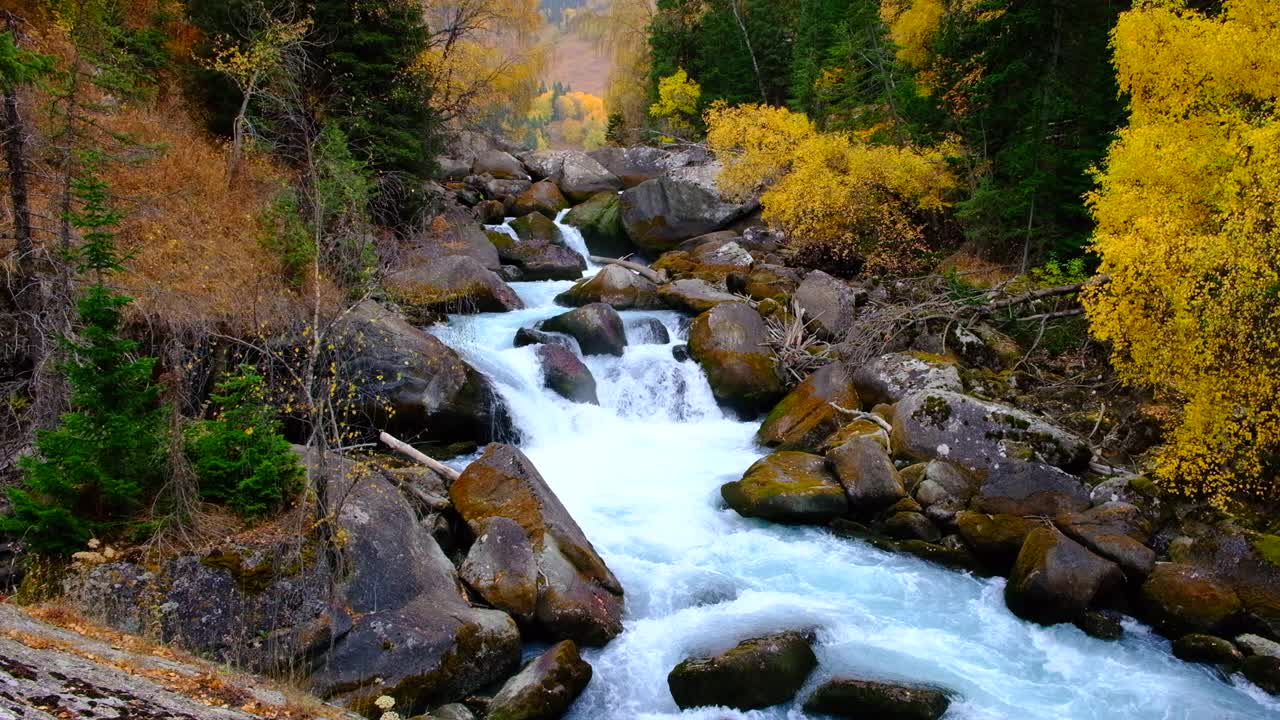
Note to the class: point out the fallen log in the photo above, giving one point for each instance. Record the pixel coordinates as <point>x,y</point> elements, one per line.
<point>412,453</point>
<point>642,270</point>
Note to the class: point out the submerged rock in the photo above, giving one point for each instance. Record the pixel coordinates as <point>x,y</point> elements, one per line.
<point>1207,649</point>
<point>647,331</point>
<point>566,374</point>
<point>872,700</point>
<point>757,673</point>
<point>616,287</point>
<point>1056,579</point>
<point>545,688</point>
<point>1263,671</point>
<point>597,327</point>
<point>730,342</point>
<point>788,487</point>
<point>528,336</point>
<point>808,414</point>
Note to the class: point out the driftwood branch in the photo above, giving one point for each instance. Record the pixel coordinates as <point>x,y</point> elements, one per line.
<point>1035,295</point>
<point>642,270</point>
<point>410,452</point>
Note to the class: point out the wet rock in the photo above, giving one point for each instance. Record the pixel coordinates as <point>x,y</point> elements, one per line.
<point>869,478</point>
<point>565,374</point>
<point>647,331</point>
<point>911,526</point>
<point>498,164</point>
<point>1101,624</point>
<point>1263,671</point>
<point>976,434</point>
<point>500,566</point>
<point>1023,488</point>
<point>694,296</point>
<point>757,673</point>
<point>1056,579</point>
<point>597,327</point>
<point>808,414</point>
<point>828,303</point>
<point>680,353</point>
<point>788,487</point>
<point>455,284</point>
<point>614,286</point>
<point>1207,649</point>
<point>1251,644</point>
<point>538,250</point>
<point>1115,531</point>
<point>578,597</point>
<point>1237,559</point>
<point>528,336</point>
<point>411,384</point>
<point>545,688</point>
<point>867,699</point>
<point>890,378</point>
<point>537,229</point>
<point>659,214</point>
<point>599,219</point>
<point>541,197</point>
<point>730,341</point>
<point>996,539</point>
<point>1180,599</point>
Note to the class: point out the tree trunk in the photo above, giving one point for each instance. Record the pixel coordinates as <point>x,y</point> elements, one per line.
<point>14,137</point>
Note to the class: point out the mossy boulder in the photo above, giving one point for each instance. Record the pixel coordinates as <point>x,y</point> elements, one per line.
<point>730,341</point>
<point>661,213</point>
<point>1180,599</point>
<point>564,373</point>
<point>545,689</point>
<point>1207,649</point>
<point>1116,531</point>
<point>889,378</point>
<point>599,219</point>
<point>1056,579</point>
<point>861,427</point>
<point>616,287</point>
<point>859,699</point>
<point>757,673</point>
<point>541,197</point>
<point>538,250</point>
<point>808,414</point>
<point>788,487</point>
<point>996,539</point>
<point>694,296</point>
<point>911,526</point>
<point>870,480</point>
<point>536,228</point>
<point>457,284</point>
<point>767,282</point>
<point>597,327</point>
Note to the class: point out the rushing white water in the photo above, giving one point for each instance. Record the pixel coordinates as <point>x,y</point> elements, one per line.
<point>641,474</point>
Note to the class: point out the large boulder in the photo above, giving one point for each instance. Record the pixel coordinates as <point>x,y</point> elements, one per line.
<point>1021,488</point>
<point>757,673</point>
<point>867,473</point>
<point>537,228</point>
<point>694,296</point>
<point>1242,560</point>
<point>828,303</point>
<point>996,539</point>
<point>1199,648</point>
<point>566,375</point>
<point>545,688</point>
<point>766,282</point>
<point>809,414</point>
<point>541,197</point>
<point>634,165</point>
<point>538,258</point>
<point>578,597</point>
<point>979,435</point>
<point>890,378</point>
<point>730,342</point>
<point>1180,599</point>
<point>1116,531</point>
<point>411,384</point>
<point>450,233</point>
<point>1056,579</point>
<point>498,164</point>
<point>597,327</point>
<point>581,177</point>
<point>659,214</point>
<point>454,284</point>
<point>788,487</point>
<point>868,699</point>
<point>615,286</point>
<point>501,567</point>
<point>599,219</point>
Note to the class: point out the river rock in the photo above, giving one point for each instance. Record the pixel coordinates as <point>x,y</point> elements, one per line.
<point>911,526</point>
<point>869,478</point>
<point>498,164</point>
<point>1263,671</point>
<point>537,229</point>
<point>634,165</point>
<point>454,284</point>
<point>1021,488</point>
<point>941,482</point>
<point>871,700</point>
<point>1236,557</point>
<point>597,327</point>
<point>565,374</point>
<point>808,414</point>
<point>659,214</point>
<point>599,219</point>
<point>647,331</point>
<point>996,539</point>
<point>730,342</point>
<point>1056,579</point>
<point>766,282</point>
<point>490,212</point>
<point>694,296</point>
<point>447,234</point>
<point>1180,599</point>
<point>538,257</point>
<point>1116,531</point>
<point>545,688</point>
<point>452,711</point>
<point>578,597</point>
<point>977,434</point>
<point>757,673</point>
<point>412,385</point>
<point>544,164</point>
<point>788,487</point>
<point>541,197</point>
<point>829,304</point>
<point>1207,649</point>
<point>889,378</point>
<point>1251,644</point>
<point>614,286</point>
<point>529,336</point>
<point>581,177</point>
<point>501,567</point>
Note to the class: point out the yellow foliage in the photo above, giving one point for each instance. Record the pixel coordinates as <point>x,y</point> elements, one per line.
<point>839,200</point>
<point>1186,210</point>
<point>580,120</point>
<point>912,25</point>
<point>678,98</point>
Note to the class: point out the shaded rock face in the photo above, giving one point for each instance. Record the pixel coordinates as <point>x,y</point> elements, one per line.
<point>1198,648</point>
<point>647,331</point>
<point>545,689</point>
<point>1056,579</point>
<point>565,374</point>
<point>455,284</point>
<point>1234,557</point>
<point>599,219</point>
<point>1022,488</point>
<point>767,282</point>
<point>541,197</point>
<point>597,327</point>
<point>979,435</point>
<point>858,699</point>
<point>491,212</point>
<point>729,341</point>
<point>788,487</point>
<point>1180,599</point>
<point>869,478</point>
<point>578,597</point>
<point>635,165</point>
<point>659,214</point>
<point>498,164</point>
<point>1116,531</point>
<point>757,673</point>
<point>808,414</point>
<point>1263,671</point>
<point>694,296</point>
<point>996,539</point>
<point>615,286</point>
<point>450,234</point>
<point>501,567</point>
<point>828,303</point>
<point>432,392</point>
<point>890,378</point>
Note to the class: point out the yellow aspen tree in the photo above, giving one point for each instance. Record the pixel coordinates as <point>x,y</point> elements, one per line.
<point>1188,212</point>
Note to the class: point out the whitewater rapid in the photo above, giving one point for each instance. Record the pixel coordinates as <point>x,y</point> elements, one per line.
<point>641,474</point>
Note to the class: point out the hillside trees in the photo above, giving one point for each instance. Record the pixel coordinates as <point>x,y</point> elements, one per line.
<point>1186,210</point>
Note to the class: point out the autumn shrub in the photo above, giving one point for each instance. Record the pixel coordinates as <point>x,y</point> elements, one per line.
<point>845,205</point>
<point>1186,210</point>
<point>240,456</point>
